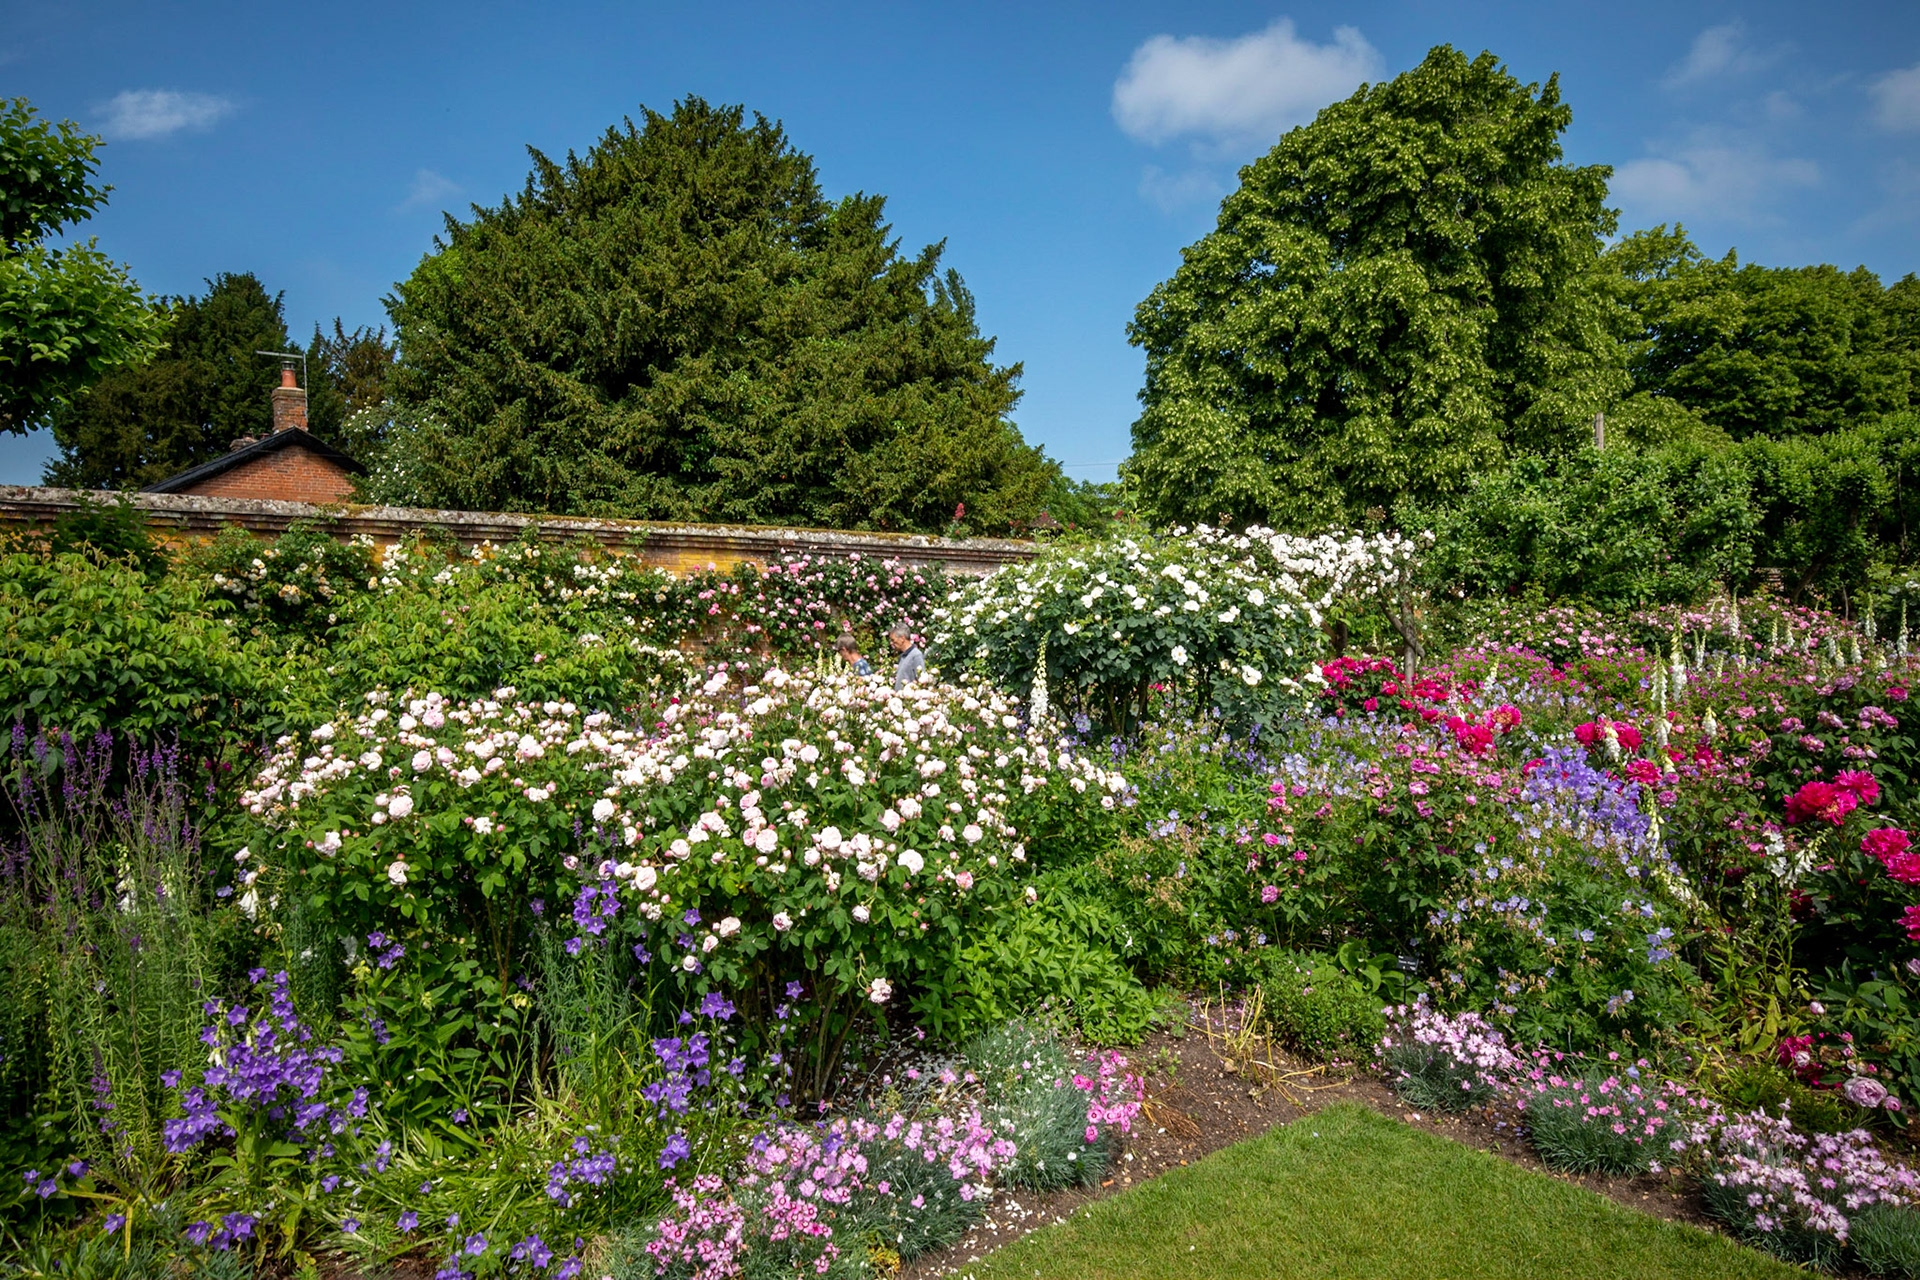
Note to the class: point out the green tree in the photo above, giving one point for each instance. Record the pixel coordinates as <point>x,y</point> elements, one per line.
<point>1779,351</point>
<point>67,316</point>
<point>1396,295</point>
<point>185,406</point>
<point>679,325</point>
<point>348,375</point>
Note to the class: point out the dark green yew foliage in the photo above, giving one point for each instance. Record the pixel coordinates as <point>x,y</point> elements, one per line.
<point>1396,295</point>
<point>679,325</point>
<point>189,403</point>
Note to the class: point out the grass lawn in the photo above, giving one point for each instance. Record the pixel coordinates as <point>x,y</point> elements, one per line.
<point>1351,1193</point>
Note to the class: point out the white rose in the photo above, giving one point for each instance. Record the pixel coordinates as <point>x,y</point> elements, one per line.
<point>766,840</point>
<point>890,820</point>
<point>709,942</point>
<point>482,826</point>
<point>909,808</point>
<point>689,963</point>
<point>323,733</point>
<point>809,753</point>
<point>644,878</point>
<point>728,927</point>
<point>603,809</point>
<point>971,833</point>
<point>1180,655</point>
<point>330,843</point>
<point>879,990</point>
<point>829,838</point>
<point>402,806</point>
<point>422,761</point>
<point>912,861</point>
<point>397,874</point>
<point>861,913</point>
<point>1251,676</point>
<point>782,921</point>
<point>529,748</point>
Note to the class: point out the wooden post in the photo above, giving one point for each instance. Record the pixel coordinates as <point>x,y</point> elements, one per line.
<point>1599,431</point>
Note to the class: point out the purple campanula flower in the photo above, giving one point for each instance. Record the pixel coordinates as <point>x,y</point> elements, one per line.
<point>676,1150</point>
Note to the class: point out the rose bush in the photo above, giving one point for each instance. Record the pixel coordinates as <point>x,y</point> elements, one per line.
<point>1208,612</point>
<point>812,833</point>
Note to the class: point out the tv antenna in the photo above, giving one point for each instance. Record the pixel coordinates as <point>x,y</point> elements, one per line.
<point>286,362</point>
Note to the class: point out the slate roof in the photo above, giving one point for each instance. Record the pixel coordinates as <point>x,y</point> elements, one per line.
<point>292,438</point>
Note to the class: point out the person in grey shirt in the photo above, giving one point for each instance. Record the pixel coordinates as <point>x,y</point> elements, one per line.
<point>912,661</point>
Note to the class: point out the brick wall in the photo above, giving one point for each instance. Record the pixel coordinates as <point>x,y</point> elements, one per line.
<point>288,475</point>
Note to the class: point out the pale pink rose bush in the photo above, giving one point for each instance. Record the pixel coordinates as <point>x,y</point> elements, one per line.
<point>818,828</point>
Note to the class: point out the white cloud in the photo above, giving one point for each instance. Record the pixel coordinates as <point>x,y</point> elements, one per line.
<point>1240,91</point>
<point>1896,98</point>
<point>137,115</point>
<point>1716,52</point>
<point>429,189</point>
<point>1710,174</point>
<point>1172,192</point>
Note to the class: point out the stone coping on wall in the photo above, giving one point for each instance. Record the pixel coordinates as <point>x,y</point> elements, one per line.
<point>672,546</point>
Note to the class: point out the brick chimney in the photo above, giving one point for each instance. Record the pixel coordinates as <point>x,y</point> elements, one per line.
<point>289,401</point>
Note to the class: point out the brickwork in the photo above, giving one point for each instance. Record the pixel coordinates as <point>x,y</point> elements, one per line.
<point>288,475</point>
<point>289,408</point>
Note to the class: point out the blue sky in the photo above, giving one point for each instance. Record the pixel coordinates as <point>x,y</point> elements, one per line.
<point>1065,152</point>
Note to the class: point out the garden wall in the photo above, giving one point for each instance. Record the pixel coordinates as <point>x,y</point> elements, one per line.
<point>181,518</point>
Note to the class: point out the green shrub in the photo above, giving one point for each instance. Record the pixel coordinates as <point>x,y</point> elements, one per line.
<point>1621,528</point>
<point>92,644</point>
<point>1310,1004</point>
<point>1053,955</point>
<point>1765,1086</point>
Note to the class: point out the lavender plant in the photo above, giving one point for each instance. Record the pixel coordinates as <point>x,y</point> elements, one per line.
<point>106,879</point>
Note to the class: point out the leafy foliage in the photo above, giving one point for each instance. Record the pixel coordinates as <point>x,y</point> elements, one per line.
<point>185,406</point>
<point>1770,351</point>
<point>1396,295</point>
<point>67,315</point>
<point>1312,1004</point>
<point>92,644</point>
<point>678,325</point>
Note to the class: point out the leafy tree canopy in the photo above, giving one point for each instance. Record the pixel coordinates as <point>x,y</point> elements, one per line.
<point>1762,350</point>
<point>1396,295</point>
<point>188,404</point>
<point>349,373</point>
<point>67,315</point>
<point>678,325</point>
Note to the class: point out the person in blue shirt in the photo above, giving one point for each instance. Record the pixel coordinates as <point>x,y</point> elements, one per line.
<point>849,649</point>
